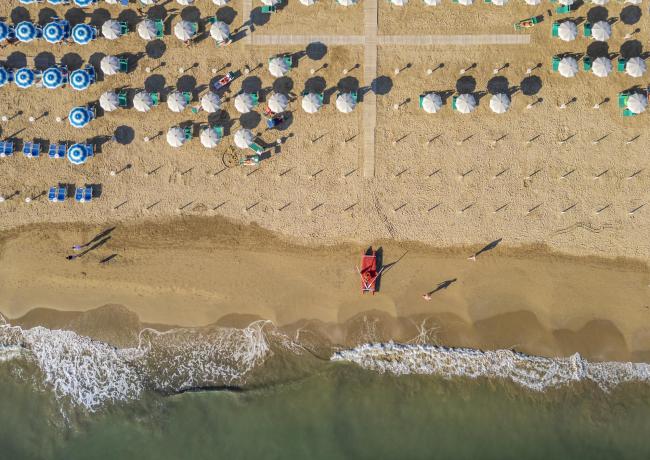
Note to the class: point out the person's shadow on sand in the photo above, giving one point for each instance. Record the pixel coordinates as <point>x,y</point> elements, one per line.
<point>441,286</point>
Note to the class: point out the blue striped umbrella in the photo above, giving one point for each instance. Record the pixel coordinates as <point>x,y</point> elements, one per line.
<point>26,31</point>
<point>53,32</point>
<point>56,2</point>
<point>82,34</point>
<point>84,3</point>
<point>4,76</point>
<point>27,2</point>
<point>80,80</point>
<point>4,31</point>
<point>77,154</point>
<point>79,117</point>
<point>24,78</point>
<point>52,78</point>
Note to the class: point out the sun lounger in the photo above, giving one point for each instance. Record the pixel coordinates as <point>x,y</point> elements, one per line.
<point>91,71</point>
<point>250,160</point>
<point>628,113</point>
<point>124,28</point>
<point>224,81</point>
<point>622,100</point>
<point>556,63</point>
<point>586,63</point>
<point>160,28</point>
<point>6,149</point>
<point>187,96</point>
<point>57,194</point>
<point>269,9</point>
<point>587,29</point>
<point>122,99</point>
<point>219,131</point>
<point>453,102</point>
<point>188,133</point>
<point>155,98</point>
<point>57,151</point>
<point>83,194</point>
<point>620,67</point>
<point>257,148</point>
<point>31,149</point>
<point>564,9</point>
<point>526,23</point>
<point>555,31</point>
<point>288,60</point>
<point>256,98</point>
<point>124,65</point>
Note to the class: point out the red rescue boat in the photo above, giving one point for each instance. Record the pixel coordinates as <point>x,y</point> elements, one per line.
<point>369,272</point>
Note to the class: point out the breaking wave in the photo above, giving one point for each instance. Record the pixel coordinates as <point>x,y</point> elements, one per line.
<point>91,373</point>
<point>532,372</point>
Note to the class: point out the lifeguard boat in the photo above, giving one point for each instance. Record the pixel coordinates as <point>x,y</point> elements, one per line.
<point>369,272</point>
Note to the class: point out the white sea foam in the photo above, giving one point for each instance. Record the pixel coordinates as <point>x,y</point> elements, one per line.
<point>533,372</point>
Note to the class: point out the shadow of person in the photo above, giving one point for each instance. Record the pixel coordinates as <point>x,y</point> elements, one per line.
<point>486,248</point>
<point>444,285</point>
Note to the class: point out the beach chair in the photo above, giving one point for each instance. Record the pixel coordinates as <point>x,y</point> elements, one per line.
<point>628,113</point>
<point>124,65</point>
<point>57,194</point>
<point>219,131</point>
<point>620,66</point>
<point>155,98</point>
<point>83,194</point>
<point>526,23</point>
<point>90,150</point>
<point>187,96</point>
<point>6,149</point>
<point>31,149</point>
<point>257,148</point>
<point>188,133</point>
<point>555,30</point>
<point>57,151</point>
<point>564,9</point>
<point>160,28</point>
<point>124,28</point>
<point>587,29</point>
<point>122,99</point>
<point>288,60</point>
<point>250,160</point>
<point>269,9</point>
<point>355,96</point>
<point>91,71</point>
<point>224,81</point>
<point>586,63</point>
<point>453,102</point>
<point>622,100</point>
<point>556,63</point>
<point>256,98</point>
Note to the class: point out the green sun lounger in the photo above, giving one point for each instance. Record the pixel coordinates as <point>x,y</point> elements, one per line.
<point>124,28</point>
<point>219,131</point>
<point>620,66</point>
<point>587,29</point>
<point>188,132</point>
<point>269,9</point>
<point>155,98</point>
<point>256,148</point>
<point>628,113</point>
<point>160,28</point>
<point>124,65</point>
<point>255,97</point>
<point>586,63</point>
<point>453,102</point>
<point>564,9</point>
<point>122,100</point>
<point>622,100</point>
<point>555,31</point>
<point>556,63</point>
<point>187,96</point>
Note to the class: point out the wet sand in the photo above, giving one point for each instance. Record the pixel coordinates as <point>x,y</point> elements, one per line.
<point>196,271</point>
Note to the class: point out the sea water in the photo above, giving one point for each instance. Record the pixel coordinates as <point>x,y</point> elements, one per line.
<point>253,393</point>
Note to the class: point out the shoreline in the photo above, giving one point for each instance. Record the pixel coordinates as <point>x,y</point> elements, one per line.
<point>199,271</point>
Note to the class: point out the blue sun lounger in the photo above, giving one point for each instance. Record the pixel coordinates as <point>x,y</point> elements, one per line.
<point>57,151</point>
<point>6,149</point>
<point>91,71</point>
<point>31,149</point>
<point>83,194</point>
<point>57,194</point>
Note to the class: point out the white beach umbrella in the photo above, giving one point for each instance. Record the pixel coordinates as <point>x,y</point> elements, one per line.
<point>465,2</point>
<point>499,2</point>
<point>637,102</point>
<point>307,2</point>
<point>399,2</point>
<point>465,103</point>
<point>110,65</point>
<point>175,136</point>
<point>244,102</point>
<point>142,101</point>
<point>209,138</point>
<point>111,29</point>
<point>567,31</point>
<point>278,67</point>
<point>220,31</point>
<point>567,2</point>
<point>176,101</point>
<point>432,2</point>
<point>109,101</point>
<point>311,102</point>
<point>601,67</point>
<point>147,29</point>
<point>601,31</point>
<point>634,2</point>
<point>500,103</point>
<point>244,138</point>
<point>533,2</point>
<point>568,67</point>
<point>270,2</point>
<point>211,102</point>
<point>345,103</point>
<point>185,2</point>
<point>220,2</point>
<point>184,30</point>
<point>635,67</point>
<point>346,2</point>
<point>431,103</point>
<point>148,2</point>
<point>600,2</point>
<point>278,102</point>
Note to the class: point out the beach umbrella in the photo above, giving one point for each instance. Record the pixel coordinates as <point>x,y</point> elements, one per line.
<point>77,154</point>
<point>148,2</point>
<point>220,31</point>
<point>431,103</point>
<point>345,103</point>
<point>211,102</point>
<point>110,65</point>
<point>567,31</point>
<point>4,31</point>
<point>465,103</point>
<point>244,102</point>
<point>244,138</point>
<point>500,103</point>
<point>307,2</point>
<point>4,76</point>
<point>56,2</point>
<point>147,29</point>
<point>270,2</point>
<point>24,78</point>
<point>635,67</point>
<point>52,78</point>
<point>278,102</point>
<point>79,117</point>
<point>346,2</point>
<point>184,30</point>
<point>600,2</point>
<point>176,136</point>
<point>142,101</point>
<point>311,102</point>
<point>220,2</point>
<point>111,29</point>
<point>601,31</point>
<point>533,2</point>
<point>432,2</point>
<point>82,34</point>
<point>53,32</point>
<point>109,101</point>
<point>566,2</point>
<point>601,67</point>
<point>27,2</point>
<point>637,102</point>
<point>209,138</point>
<point>568,67</point>
<point>465,2</point>
<point>185,2</point>
<point>499,2</point>
<point>176,101</point>
<point>26,31</point>
<point>278,67</point>
<point>80,80</point>
<point>634,2</point>
<point>84,3</point>
<point>399,2</point>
